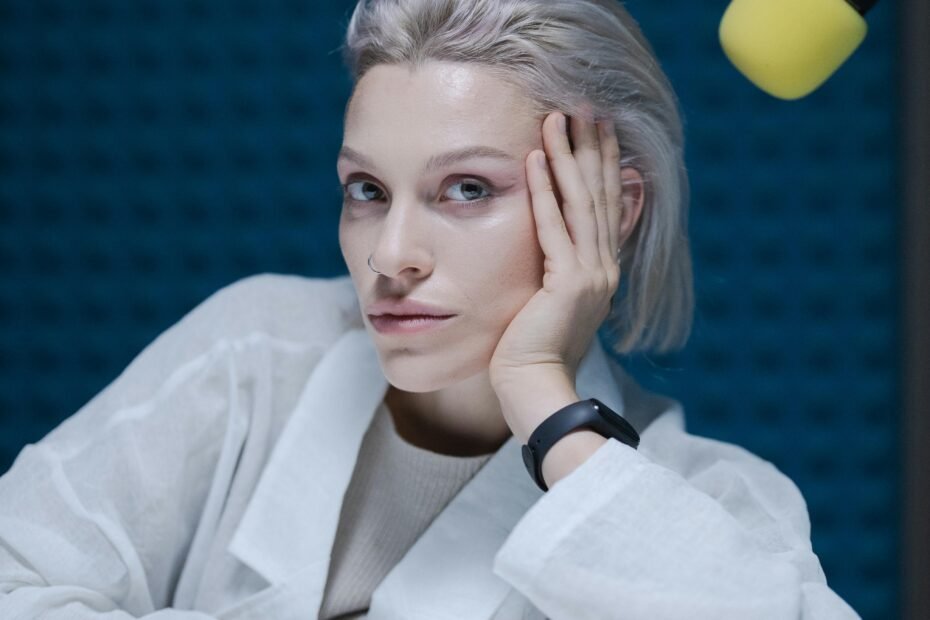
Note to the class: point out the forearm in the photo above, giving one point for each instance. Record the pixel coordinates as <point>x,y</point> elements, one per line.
<point>688,528</point>
<point>532,399</point>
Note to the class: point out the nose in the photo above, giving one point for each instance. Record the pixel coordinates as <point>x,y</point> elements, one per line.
<point>403,244</point>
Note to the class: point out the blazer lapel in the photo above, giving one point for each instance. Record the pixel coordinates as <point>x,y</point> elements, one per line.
<point>290,524</point>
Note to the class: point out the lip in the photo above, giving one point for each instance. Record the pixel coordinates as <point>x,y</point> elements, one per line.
<point>409,324</point>
<point>402,307</point>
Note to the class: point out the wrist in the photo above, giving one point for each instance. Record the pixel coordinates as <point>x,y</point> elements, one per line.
<point>526,400</point>
<point>513,378</point>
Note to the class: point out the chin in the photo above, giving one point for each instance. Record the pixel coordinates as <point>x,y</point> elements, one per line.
<point>414,382</point>
<point>428,374</point>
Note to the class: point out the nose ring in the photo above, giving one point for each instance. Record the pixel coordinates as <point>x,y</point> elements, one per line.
<point>370,267</point>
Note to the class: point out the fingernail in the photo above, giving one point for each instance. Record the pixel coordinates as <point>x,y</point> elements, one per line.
<point>562,123</point>
<point>541,159</point>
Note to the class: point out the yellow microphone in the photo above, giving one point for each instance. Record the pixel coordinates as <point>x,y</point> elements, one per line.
<point>788,48</point>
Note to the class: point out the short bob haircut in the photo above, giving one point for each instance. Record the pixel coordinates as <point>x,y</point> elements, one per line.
<point>570,55</point>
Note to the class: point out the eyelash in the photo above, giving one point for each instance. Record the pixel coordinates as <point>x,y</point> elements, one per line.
<point>463,181</point>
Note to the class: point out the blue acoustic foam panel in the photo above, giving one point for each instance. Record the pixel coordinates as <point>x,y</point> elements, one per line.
<point>152,152</point>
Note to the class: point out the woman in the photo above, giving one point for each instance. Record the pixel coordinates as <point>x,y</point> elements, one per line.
<point>292,449</point>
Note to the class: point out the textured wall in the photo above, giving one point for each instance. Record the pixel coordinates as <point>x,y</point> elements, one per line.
<point>154,151</point>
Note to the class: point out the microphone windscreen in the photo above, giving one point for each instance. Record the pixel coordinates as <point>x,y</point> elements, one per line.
<point>790,47</point>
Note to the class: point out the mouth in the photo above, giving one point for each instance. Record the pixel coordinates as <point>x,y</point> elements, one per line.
<point>408,323</point>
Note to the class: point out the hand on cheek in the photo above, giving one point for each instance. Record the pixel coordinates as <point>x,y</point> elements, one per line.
<point>575,194</point>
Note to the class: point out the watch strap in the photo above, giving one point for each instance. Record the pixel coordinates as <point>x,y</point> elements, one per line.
<point>590,413</point>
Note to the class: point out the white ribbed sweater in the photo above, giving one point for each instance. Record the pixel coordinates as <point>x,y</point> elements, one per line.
<point>395,492</point>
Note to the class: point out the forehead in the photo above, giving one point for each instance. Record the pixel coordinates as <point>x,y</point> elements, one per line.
<point>440,105</point>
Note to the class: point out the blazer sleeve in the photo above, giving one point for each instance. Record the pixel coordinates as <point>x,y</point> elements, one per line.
<point>97,517</point>
<point>684,527</point>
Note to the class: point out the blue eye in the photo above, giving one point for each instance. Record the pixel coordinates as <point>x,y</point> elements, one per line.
<point>469,188</point>
<point>360,196</point>
<point>470,191</point>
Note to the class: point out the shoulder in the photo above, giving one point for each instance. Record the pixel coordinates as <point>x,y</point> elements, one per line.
<point>664,439</point>
<point>284,306</point>
<point>314,312</point>
<point>743,482</point>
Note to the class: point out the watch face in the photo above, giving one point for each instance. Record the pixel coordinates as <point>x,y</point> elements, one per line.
<point>605,412</point>
<point>617,421</point>
<point>608,413</point>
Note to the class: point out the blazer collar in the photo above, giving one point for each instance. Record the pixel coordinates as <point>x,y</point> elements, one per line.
<point>289,526</point>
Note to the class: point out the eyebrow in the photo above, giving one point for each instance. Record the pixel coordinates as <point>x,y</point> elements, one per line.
<point>435,162</point>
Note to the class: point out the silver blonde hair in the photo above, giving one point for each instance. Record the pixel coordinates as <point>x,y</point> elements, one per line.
<point>570,55</point>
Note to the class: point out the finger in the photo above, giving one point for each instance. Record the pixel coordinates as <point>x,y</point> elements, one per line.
<point>577,202</point>
<point>613,189</point>
<point>550,225</point>
<point>585,138</point>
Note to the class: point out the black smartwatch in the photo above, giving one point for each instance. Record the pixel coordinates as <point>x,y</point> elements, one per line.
<point>590,413</point>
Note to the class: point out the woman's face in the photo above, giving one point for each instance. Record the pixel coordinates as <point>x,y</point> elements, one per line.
<point>435,188</point>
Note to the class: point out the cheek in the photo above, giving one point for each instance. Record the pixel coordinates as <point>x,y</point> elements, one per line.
<point>353,247</point>
<point>353,244</point>
<point>505,270</point>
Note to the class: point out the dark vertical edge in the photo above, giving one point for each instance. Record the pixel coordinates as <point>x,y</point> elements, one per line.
<point>914,21</point>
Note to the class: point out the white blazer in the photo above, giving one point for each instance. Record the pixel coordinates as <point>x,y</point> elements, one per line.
<point>206,481</point>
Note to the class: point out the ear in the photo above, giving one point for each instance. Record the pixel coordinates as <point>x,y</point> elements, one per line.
<point>634,194</point>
